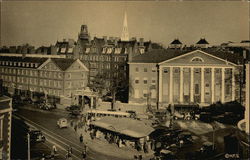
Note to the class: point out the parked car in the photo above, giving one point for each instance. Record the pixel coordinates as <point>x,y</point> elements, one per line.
<point>47,106</point>
<point>75,113</point>
<point>73,107</point>
<point>166,155</point>
<point>36,136</point>
<point>62,123</point>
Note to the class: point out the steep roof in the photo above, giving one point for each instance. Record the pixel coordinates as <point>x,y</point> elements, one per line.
<point>160,55</point>
<point>202,41</point>
<point>176,41</point>
<point>63,63</point>
<point>37,60</point>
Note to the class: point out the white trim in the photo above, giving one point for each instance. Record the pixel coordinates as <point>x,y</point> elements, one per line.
<point>160,84</point>
<point>192,85</point>
<point>181,84</point>
<point>141,63</point>
<point>1,127</point>
<point>222,85</point>
<point>44,63</point>
<point>212,85</point>
<point>202,85</point>
<point>197,57</point>
<point>198,66</point>
<point>186,54</point>
<point>171,85</point>
<point>81,64</point>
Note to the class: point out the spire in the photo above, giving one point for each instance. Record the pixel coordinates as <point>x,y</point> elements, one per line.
<point>125,34</point>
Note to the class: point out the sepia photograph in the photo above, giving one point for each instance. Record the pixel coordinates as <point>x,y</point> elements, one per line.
<point>124,80</point>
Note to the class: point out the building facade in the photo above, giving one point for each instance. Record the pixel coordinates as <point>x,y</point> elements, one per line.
<point>52,78</point>
<point>182,77</point>
<point>5,127</point>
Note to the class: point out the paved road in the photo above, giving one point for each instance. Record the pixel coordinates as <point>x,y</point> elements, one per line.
<point>62,137</point>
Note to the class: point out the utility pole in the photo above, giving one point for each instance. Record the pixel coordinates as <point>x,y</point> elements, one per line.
<point>28,137</point>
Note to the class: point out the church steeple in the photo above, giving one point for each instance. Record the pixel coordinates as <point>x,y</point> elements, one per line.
<point>125,34</point>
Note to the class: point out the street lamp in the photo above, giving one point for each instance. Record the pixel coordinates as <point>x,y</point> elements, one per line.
<point>28,137</point>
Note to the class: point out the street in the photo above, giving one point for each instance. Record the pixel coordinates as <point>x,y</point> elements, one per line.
<point>46,122</point>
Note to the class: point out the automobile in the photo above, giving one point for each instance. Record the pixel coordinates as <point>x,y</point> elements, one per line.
<point>207,149</point>
<point>186,137</point>
<point>166,155</point>
<point>72,107</point>
<point>36,136</point>
<point>62,123</point>
<point>178,115</point>
<point>132,113</point>
<point>47,106</point>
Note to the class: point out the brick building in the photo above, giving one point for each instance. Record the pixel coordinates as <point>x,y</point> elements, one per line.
<point>184,77</point>
<point>53,78</point>
<point>5,127</point>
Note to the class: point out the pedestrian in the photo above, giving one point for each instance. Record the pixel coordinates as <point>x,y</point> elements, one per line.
<point>75,128</point>
<point>43,157</point>
<point>81,138</point>
<point>140,157</point>
<point>84,154</point>
<point>70,150</point>
<point>54,149</point>
<point>135,157</point>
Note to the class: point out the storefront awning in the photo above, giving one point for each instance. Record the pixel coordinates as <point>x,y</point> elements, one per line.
<point>125,126</point>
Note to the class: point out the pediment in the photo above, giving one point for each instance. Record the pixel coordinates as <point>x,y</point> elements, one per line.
<point>196,57</point>
<point>50,66</point>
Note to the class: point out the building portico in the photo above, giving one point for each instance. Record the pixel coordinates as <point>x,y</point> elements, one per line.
<point>196,84</point>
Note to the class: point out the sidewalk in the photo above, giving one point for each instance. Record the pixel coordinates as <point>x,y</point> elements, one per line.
<point>103,147</point>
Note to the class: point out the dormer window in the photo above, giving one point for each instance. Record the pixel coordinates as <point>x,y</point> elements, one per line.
<point>23,64</point>
<point>11,63</point>
<point>27,64</point>
<point>7,63</point>
<point>70,50</point>
<point>142,50</point>
<point>19,63</point>
<point>36,65</point>
<point>87,50</point>
<point>15,63</point>
<point>126,51</point>
<point>109,50</point>
<point>197,59</point>
<point>118,50</point>
<point>63,50</point>
<point>104,50</point>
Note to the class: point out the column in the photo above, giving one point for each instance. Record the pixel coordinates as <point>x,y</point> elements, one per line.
<point>202,85</point>
<point>160,84</point>
<point>192,85</point>
<point>171,85</point>
<point>181,84</point>
<point>212,85</point>
<point>233,84</point>
<point>91,102</point>
<point>222,85</point>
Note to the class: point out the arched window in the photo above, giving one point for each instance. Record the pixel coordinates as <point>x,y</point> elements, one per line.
<point>197,59</point>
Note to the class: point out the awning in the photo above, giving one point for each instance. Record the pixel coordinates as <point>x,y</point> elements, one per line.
<point>125,126</point>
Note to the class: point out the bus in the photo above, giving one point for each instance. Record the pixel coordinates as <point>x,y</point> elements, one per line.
<point>100,113</point>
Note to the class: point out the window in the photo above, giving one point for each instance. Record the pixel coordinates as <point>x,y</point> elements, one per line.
<point>136,93</point>
<point>1,128</point>
<point>145,93</point>
<point>153,69</point>
<point>197,59</point>
<point>137,80</point>
<point>145,80</point>
<point>153,93</point>
<point>145,69</point>
<point>165,70</point>
<point>228,91</point>
<point>197,89</point>
<point>137,69</point>
<point>153,81</point>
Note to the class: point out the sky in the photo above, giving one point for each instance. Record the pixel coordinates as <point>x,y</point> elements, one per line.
<point>44,22</point>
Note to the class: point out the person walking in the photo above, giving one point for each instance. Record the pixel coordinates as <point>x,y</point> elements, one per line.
<point>84,154</point>
<point>70,150</point>
<point>81,138</point>
<point>54,149</point>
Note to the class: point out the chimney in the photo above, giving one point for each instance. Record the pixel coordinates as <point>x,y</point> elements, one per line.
<point>130,54</point>
<point>105,39</point>
<point>141,41</point>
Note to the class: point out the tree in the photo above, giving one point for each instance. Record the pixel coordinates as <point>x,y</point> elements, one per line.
<point>114,84</point>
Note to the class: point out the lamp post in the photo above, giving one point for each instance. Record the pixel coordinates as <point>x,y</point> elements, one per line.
<point>28,137</point>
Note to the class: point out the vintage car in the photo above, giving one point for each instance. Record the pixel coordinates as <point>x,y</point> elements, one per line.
<point>36,136</point>
<point>62,123</point>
